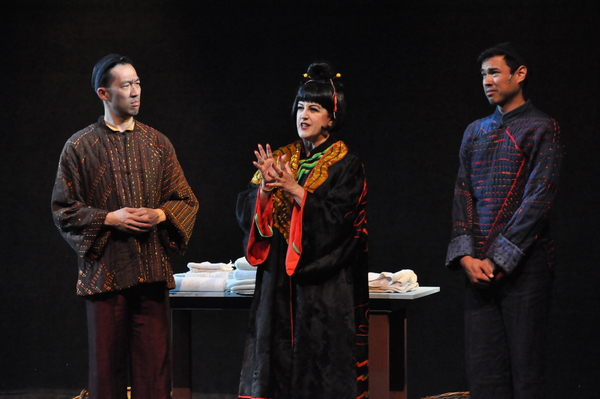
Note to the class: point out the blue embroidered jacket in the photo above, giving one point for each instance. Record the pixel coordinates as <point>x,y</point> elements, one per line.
<point>506,184</point>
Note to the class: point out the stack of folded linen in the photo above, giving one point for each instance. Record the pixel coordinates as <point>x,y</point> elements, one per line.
<point>204,276</point>
<point>208,269</point>
<point>403,281</point>
<point>244,278</point>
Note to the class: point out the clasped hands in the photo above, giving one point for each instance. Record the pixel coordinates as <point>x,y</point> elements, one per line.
<point>135,220</point>
<point>275,173</point>
<point>480,272</point>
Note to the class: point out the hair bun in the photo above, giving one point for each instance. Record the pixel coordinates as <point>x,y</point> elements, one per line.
<point>321,70</point>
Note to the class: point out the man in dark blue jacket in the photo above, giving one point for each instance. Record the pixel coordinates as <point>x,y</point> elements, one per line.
<point>506,185</point>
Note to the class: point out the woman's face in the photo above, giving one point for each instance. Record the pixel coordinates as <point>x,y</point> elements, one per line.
<point>311,118</point>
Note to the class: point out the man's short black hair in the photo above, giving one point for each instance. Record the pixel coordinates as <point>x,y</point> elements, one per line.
<point>512,56</point>
<point>101,72</point>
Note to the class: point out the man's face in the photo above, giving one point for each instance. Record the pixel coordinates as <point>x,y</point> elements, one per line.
<point>499,85</point>
<point>123,94</point>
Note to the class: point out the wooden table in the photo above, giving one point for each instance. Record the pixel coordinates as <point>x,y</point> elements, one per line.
<point>387,319</point>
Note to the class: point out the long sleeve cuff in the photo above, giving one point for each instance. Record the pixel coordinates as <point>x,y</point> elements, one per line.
<point>294,250</point>
<point>459,246</point>
<point>259,244</point>
<point>505,254</point>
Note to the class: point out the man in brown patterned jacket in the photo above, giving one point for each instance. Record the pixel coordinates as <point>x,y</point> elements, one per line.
<point>121,201</point>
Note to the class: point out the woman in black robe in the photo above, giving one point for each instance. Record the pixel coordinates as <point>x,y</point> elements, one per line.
<point>306,232</point>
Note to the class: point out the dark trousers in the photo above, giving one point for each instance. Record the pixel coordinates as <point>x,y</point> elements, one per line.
<point>505,331</point>
<point>129,338</point>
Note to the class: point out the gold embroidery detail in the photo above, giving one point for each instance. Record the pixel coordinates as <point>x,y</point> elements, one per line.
<point>283,202</point>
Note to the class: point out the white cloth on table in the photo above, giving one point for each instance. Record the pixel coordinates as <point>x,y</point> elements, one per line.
<point>204,276</point>
<point>244,274</point>
<point>244,278</point>
<point>221,274</point>
<point>233,283</point>
<point>207,266</point>
<point>242,264</point>
<point>245,287</point>
<point>249,290</point>
<point>189,282</point>
<point>404,280</point>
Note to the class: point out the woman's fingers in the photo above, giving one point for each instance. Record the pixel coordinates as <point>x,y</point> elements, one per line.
<point>263,154</point>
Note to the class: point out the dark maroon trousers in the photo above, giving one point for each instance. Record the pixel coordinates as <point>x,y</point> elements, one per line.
<point>129,342</point>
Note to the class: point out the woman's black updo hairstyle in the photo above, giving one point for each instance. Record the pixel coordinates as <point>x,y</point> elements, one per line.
<point>322,86</point>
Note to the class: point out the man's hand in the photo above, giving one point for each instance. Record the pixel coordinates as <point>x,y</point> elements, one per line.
<point>479,272</point>
<point>135,220</point>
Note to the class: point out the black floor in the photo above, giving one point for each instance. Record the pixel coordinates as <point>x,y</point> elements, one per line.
<point>67,394</point>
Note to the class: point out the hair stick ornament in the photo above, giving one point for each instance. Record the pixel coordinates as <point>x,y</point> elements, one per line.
<point>334,97</point>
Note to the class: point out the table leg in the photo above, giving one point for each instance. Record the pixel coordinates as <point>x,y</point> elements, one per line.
<point>387,355</point>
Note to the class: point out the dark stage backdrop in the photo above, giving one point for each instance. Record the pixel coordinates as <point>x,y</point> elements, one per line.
<point>218,78</point>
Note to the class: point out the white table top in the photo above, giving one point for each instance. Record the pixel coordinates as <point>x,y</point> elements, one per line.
<point>418,293</point>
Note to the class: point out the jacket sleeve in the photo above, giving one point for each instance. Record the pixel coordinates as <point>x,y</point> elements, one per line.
<point>179,204</point>
<point>81,225</point>
<point>461,239</point>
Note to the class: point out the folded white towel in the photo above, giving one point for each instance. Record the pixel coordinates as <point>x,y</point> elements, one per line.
<point>244,274</point>
<point>244,287</point>
<point>248,287</point>
<point>249,291</point>
<point>233,283</point>
<point>208,266</point>
<point>395,288</point>
<point>225,275</point>
<point>185,282</point>
<point>402,281</point>
<point>242,264</point>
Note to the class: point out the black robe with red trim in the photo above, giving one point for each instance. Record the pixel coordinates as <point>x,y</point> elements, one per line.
<point>308,325</point>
